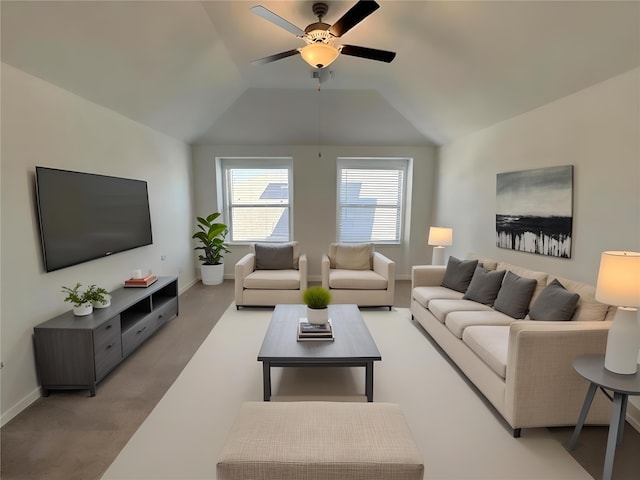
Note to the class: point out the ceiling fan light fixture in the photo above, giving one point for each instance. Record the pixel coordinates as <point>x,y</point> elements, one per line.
<point>319,55</point>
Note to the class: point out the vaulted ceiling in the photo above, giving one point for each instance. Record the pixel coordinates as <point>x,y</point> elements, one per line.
<point>184,67</point>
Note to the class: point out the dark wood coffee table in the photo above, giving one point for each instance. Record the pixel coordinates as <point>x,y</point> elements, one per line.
<point>352,346</point>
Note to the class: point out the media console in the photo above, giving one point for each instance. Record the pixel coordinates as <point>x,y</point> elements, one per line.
<point>77,352</point>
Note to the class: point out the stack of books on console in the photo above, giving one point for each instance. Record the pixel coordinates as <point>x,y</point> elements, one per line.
<point>311,332</point>
<point>140,282</point>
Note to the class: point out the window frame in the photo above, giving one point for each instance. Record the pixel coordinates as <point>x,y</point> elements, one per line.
<point>225,164</point>
<point>403,164</point>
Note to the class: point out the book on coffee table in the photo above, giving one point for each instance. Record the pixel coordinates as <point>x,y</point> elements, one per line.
<point>311,331</point>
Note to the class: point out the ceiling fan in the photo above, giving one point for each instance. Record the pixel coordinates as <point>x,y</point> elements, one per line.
<point>321,49</point>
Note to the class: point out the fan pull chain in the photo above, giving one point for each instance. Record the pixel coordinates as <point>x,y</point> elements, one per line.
<point>319,122</point>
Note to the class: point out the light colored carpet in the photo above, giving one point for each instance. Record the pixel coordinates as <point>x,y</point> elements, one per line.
<point>460,438</point>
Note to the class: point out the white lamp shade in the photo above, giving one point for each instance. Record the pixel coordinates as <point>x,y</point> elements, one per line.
<point>319,55</point>
<point>619,279</point>
<point>440,236</point>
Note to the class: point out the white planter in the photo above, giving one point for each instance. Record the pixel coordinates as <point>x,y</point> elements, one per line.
<point>105,304</point>
<point>212,274</point>
<point>82,310</point>
<point>317,316</point>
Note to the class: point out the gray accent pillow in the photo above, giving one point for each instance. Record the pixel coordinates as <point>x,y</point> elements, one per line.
<point>515,295</point>
<point>273,256</point>
<point>554,303</point>
<point>484,286</point>
<point>459,274</point>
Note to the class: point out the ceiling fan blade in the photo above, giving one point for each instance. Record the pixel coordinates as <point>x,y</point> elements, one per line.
<point>277,56</point>
<point>370,53</point>
<point>355,15</point>
<point>277,20</point>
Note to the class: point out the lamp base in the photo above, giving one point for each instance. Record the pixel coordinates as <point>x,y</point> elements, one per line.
<point>623,342</point>
<point>438,256</point>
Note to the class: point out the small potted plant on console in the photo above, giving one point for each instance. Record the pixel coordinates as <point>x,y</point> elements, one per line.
<point>317,300</point>
<point>98,297</point>
<point>81,302</point>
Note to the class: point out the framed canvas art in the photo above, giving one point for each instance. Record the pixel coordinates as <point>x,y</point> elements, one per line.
<point>534,210</point>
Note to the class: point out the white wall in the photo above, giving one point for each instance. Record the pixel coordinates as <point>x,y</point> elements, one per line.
<point>45,125</point>
<point>598,131</point>
<point>314,197</point>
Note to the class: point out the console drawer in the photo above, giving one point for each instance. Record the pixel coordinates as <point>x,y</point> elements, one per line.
<point>138,333</point>
<point>107,347</point>
<point>166,312</point>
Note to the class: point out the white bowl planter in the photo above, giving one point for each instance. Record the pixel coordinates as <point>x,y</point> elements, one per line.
<point>212,274</point>
<point>83,310</point>
<point>104,304</point>
<point>317,316</point>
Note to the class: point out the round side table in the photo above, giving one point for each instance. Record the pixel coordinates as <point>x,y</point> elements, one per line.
<point>591,367</point>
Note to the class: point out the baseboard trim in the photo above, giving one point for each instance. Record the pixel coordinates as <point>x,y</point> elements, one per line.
<point>633,415</point>
<point>16,409</point>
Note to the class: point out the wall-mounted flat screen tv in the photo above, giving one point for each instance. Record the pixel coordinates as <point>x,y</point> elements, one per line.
<point>84,216</point>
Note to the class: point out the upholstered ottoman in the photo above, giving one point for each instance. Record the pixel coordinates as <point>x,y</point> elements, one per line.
<point>320,441</point>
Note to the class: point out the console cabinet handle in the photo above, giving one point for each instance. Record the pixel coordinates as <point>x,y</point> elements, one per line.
<point>142,329</point>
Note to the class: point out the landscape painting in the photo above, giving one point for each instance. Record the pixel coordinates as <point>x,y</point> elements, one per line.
<point>534,211</point>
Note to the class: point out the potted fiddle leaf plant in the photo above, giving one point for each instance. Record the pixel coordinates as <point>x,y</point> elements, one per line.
<point>317,300</point>
<point>82,305</point>
<point>212,237</point>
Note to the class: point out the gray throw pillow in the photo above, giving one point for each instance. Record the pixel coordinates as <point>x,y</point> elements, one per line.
<point>554,303</point>
<point>514,295</point>
<point>484,286</point>
<point>273,256</point>
<point>458,274</point>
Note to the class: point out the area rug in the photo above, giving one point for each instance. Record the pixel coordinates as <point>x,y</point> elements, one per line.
<point>459,436</point>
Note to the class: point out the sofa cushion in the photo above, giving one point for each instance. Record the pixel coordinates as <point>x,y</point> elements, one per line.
<point>356,280</point>
<point>423,295</point>
<point>487,263</point>
<point>441,307</point>
<point>484,286</point>
<point>273,280</point>
<point>515,295</point>
<point>540,277</point>
<point>457,322</point>
<point>588,308</point>
<point>458,274</point>
<point>351,256</point>
<point>554,303</point>
<point>491,344</point>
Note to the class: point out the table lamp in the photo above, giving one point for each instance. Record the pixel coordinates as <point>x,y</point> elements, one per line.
<point>619,285</point>
<point>440,237</point>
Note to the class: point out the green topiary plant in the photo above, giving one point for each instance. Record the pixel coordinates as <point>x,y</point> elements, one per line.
<point>212,236</point>
<point>316,297</point>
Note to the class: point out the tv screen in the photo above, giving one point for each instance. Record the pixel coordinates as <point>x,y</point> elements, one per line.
<point>84,216</point>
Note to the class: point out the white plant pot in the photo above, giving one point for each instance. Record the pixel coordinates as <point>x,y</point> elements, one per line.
<point>83,310</point>
<point>317,316</point>
<point>212,274</point>
<point>105,304</point>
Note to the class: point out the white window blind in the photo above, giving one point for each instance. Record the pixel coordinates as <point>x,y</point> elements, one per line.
<point>257,199</point>
<point>371,199</point>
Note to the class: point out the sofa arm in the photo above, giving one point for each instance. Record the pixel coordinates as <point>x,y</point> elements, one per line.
<point>324,270</point>
<point>303,268</point>
<point>427,275</point>
<point>542,388</point>
<point>384,266</point>
<point>243,267</point>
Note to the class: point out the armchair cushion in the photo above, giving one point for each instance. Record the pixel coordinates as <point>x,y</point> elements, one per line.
<point>351,256</point>
<point>276,256</point>
<point>273,280</point>
<point>356,280</point>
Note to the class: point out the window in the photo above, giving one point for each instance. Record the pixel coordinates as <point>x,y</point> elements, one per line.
<point>256,198</point>
<point>371,195</point>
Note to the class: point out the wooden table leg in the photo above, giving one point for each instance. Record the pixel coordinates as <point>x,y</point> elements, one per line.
<point>369,381</point>
<point>615,427</point>
<point>266,381</point>
<point>583,414</point>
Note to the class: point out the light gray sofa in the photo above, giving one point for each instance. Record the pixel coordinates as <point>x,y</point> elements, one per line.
<point>524,367</point>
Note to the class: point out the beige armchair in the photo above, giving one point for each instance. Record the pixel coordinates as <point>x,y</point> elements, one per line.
<point>356,273</point>
<point>270,274</point>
